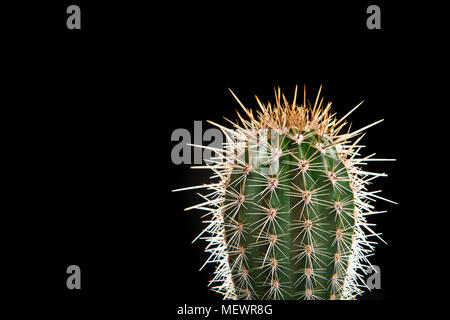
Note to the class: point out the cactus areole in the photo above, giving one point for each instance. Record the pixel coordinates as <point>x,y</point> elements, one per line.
<point>286,215</point>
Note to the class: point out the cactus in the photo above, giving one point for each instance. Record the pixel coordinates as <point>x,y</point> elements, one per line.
<point>286,215</point>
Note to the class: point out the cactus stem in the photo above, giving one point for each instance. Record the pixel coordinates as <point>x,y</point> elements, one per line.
<point>287,218</point>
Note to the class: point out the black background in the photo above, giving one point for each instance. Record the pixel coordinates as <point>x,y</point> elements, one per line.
<point>91,113</point>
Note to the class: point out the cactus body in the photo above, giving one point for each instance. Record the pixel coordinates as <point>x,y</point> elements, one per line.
<point>289,219</point>
<point>287,215</point>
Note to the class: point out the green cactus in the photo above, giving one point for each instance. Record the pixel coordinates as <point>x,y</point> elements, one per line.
<point>287,214</point>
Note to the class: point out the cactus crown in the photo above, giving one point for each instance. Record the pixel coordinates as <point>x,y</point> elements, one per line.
<point>287,214</point>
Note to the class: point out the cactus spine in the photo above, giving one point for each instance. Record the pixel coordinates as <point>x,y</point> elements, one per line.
<point>286,219</point>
